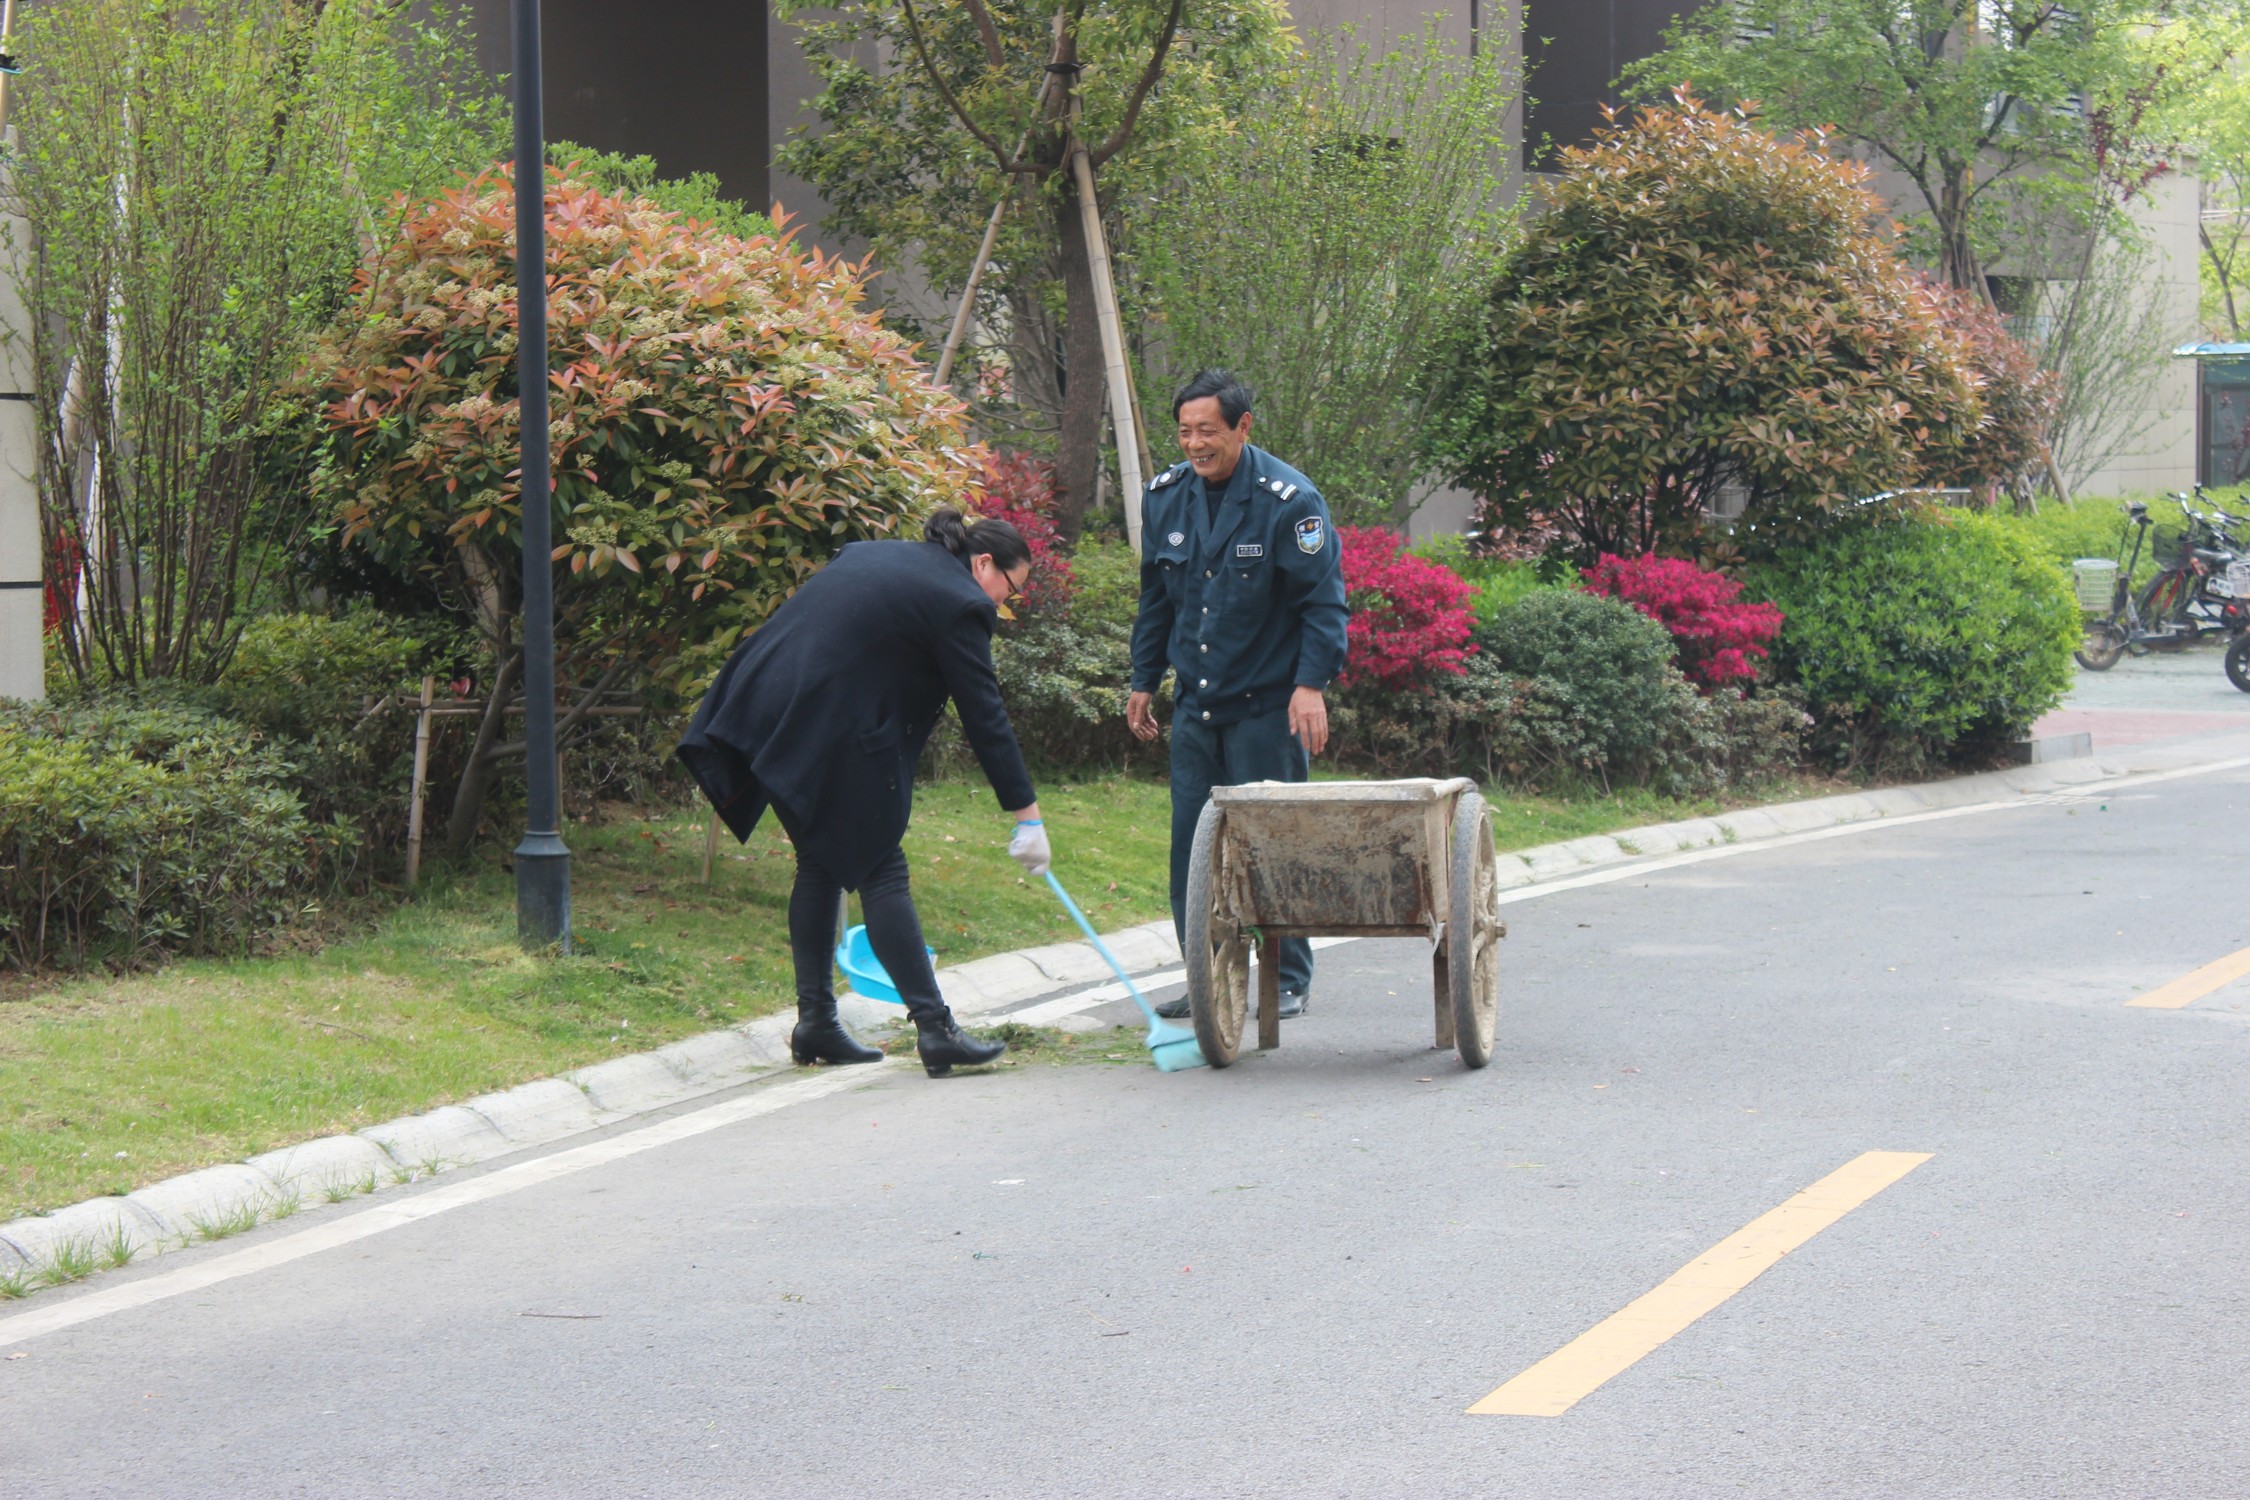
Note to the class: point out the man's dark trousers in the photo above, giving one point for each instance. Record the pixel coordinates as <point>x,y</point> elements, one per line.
<point>1209,755</point>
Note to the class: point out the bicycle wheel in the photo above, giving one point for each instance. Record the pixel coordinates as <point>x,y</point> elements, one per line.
<point>2106,639</point>
<point>2105,643</point>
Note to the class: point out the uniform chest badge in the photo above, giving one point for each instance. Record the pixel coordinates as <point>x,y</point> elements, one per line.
<point>1176,538</point>
<point>1250,549</point>
<point>1311,534</point>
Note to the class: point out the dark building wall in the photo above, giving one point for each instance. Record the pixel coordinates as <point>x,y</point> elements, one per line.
<point>683,81</point>
<point>1575,49</point>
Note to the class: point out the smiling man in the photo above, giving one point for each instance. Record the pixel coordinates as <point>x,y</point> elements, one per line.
<point>1242,596</point>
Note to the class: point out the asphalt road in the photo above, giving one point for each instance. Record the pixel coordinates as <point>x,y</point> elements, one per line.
<point>1293,1277</point>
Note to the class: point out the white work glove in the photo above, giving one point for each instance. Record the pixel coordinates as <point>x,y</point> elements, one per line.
<point>1027,846</point>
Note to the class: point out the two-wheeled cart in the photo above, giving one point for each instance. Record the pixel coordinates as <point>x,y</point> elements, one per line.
<point>1279,860</point>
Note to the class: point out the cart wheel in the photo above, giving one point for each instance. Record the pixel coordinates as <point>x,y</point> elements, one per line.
<point>1217,957</point>
<point>1473,932</point>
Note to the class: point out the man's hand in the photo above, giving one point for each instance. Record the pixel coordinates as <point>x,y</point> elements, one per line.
<point>1308,719</point>
<point>1140,716</point>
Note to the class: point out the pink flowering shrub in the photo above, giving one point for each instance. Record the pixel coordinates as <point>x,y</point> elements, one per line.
<point>1717,636</point>
<point>1410,619</point>
<point>1020,490</point>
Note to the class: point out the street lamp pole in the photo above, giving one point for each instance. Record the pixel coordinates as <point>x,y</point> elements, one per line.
<point>542,859</point>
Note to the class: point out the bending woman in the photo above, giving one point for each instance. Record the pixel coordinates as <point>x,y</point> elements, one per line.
<point>822,714</point>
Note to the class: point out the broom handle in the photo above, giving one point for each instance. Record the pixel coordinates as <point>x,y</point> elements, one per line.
<point>1102,948</point>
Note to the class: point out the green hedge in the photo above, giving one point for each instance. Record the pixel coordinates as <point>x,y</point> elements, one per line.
<point>1924,639</point>
<point>1499,582</point>
<point>2088,528</point>
<point>1568,689</point>
<point>185,819</point>
<point>324,691</point>
<point>126,830</point>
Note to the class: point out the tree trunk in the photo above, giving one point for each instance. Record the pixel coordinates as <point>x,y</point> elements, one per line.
<point>1957,256</point>
<point>1078,438</point>
<point>2221,270</point>
<point>483,766</point>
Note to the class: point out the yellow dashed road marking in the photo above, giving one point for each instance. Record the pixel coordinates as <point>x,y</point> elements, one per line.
<point>1582,1366</point>
<point>2189,988</point>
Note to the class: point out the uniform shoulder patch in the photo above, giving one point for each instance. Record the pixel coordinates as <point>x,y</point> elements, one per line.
<point>1312,534</point>
<point>1167,476</point>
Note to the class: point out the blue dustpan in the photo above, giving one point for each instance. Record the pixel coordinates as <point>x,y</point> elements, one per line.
<point>1170,1047</point>
<point>855,955</point>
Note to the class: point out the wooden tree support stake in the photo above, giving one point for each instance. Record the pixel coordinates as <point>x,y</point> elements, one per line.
<point>427,712</point>
<point>1123,417</point>
<point>421,783</point>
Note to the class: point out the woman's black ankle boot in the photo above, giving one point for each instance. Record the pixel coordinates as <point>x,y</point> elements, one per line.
<point>945,1046</point>
<point>821,1038</point>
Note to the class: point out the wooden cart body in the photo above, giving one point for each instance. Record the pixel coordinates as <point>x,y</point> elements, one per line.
<point>1342,859</point>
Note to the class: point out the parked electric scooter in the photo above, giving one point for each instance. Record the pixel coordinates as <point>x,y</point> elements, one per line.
<point>2141,621</point>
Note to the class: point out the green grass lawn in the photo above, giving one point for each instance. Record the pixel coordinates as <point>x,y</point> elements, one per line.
<point>108,1083</point>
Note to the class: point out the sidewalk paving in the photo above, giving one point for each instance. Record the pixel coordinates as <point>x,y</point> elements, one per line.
<point>218,1201</point>
<point>2147,699</point>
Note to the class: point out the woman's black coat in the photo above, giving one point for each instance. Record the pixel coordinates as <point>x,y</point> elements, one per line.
<point>825,708</point>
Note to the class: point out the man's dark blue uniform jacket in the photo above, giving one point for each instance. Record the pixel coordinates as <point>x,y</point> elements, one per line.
<point>1246,610</point>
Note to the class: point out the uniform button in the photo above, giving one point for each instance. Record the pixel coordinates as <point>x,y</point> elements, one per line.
<point>1207,572</point>
<point>1207,609</point>
<point>1203,648</point>
<point>1202,682</point>
<point>1207,713</point>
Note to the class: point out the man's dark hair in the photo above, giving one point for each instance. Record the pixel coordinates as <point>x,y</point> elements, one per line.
<point>1234,397</point>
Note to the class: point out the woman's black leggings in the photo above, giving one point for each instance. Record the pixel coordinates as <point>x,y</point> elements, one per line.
<point>894,928</point>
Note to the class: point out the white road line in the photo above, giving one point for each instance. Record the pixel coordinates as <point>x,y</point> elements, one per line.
<point>381,1217</point>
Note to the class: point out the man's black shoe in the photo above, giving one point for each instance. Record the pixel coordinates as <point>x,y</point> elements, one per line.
<point>1174,1010</point>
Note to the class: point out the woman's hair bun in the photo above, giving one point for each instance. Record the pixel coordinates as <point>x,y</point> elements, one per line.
<point>965,538</point>
<point>949,528</point>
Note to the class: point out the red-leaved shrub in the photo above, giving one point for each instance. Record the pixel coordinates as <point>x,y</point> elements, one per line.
<point>2020,400</point>
<point>1716,635</point>
<point>725,414</point>
<point>1020,490</point>
<point>1409,620</point>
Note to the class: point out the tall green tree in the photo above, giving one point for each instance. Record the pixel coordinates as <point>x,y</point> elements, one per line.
<point>1991,111</point>
<point>200,184</point>
<point>1324,248</point>
<point>2212,118</point>
<point>912,155</point>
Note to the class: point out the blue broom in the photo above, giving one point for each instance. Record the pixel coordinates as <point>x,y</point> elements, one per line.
<point>1170,1047</point>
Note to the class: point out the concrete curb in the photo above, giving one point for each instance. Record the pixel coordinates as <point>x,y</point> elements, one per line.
<point>214,1202</point>
<point>217,1201</point>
